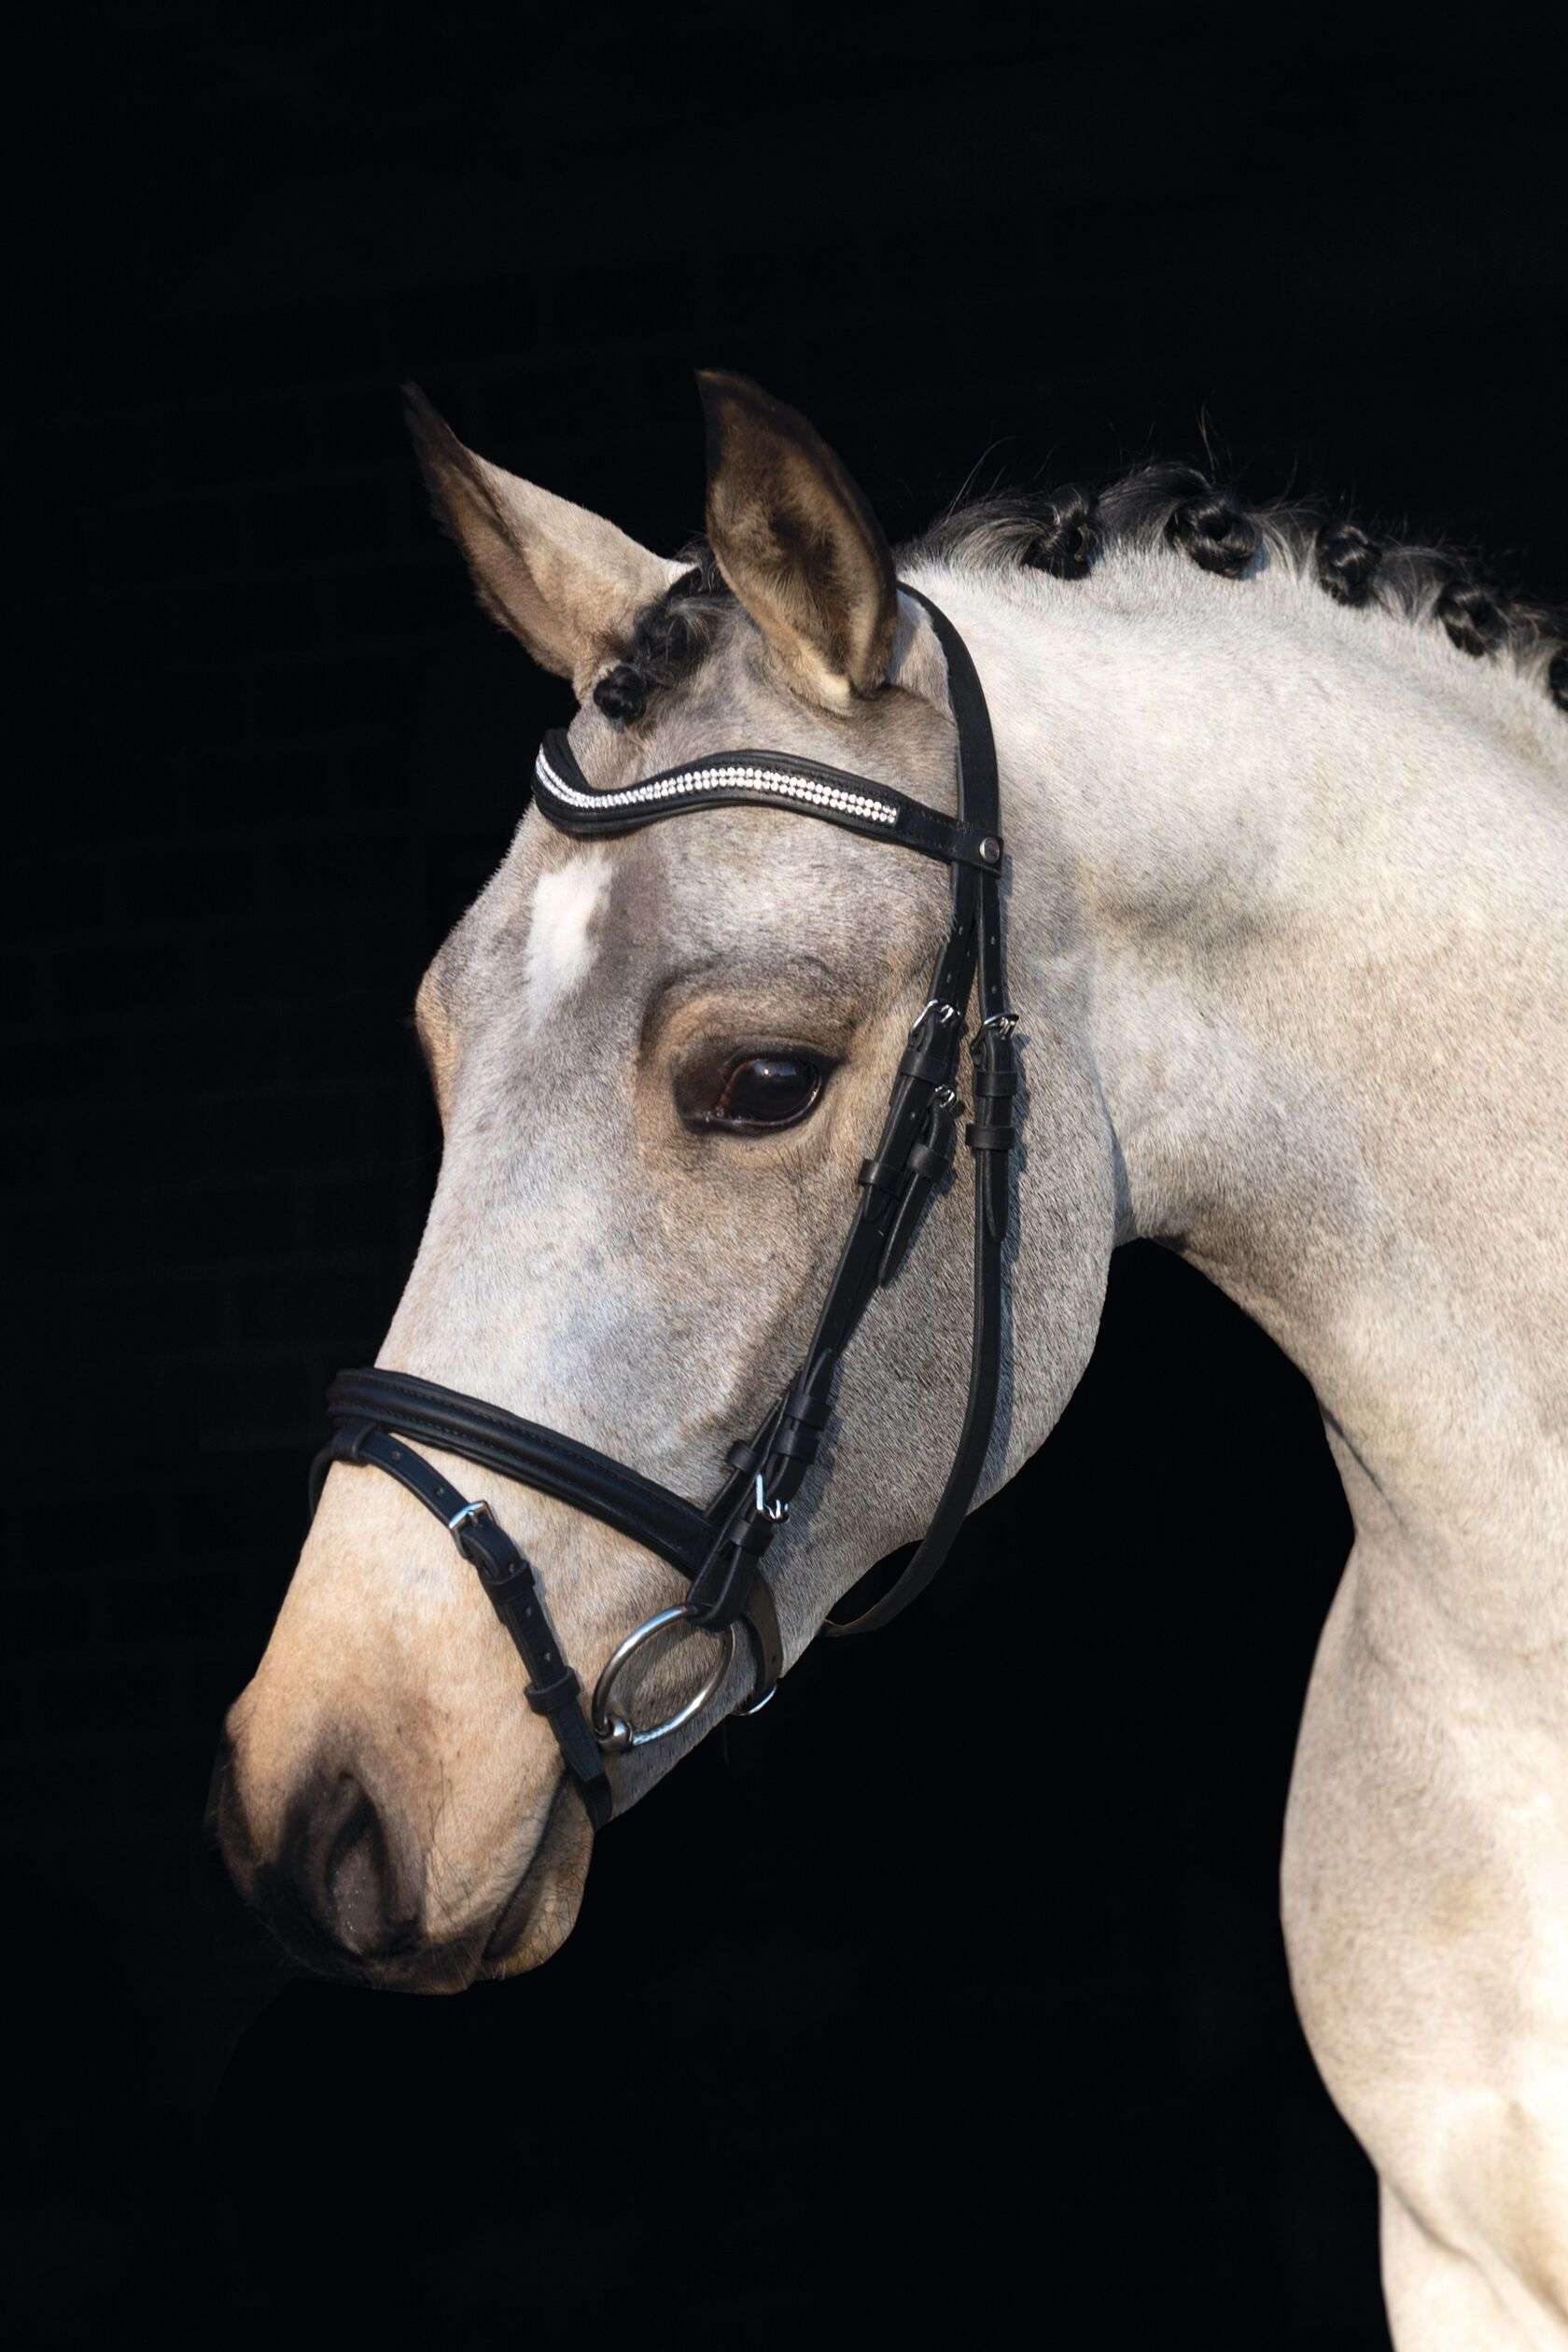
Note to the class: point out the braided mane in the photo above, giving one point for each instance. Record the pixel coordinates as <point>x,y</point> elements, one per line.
<point>1065,532</point>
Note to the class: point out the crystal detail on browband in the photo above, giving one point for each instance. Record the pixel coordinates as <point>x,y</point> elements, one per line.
<point>808,790</point>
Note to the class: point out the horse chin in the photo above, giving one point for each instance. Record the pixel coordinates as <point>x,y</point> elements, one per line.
<point>541,1910</point>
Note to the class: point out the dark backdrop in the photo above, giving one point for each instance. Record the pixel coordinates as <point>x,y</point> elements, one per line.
<point>932,2019</point>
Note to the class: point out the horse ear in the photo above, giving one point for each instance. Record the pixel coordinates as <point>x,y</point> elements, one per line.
<point>796,541</point>
<point>566,583</point>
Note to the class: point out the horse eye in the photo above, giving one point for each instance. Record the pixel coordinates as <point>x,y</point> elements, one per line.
<point>767,1090</point>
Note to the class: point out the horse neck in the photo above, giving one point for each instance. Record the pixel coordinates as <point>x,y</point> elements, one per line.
<point>1302,872</point>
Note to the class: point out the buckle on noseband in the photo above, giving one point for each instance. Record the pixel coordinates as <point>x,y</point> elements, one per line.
<point>459,1520</point>
<point>614,1731</point>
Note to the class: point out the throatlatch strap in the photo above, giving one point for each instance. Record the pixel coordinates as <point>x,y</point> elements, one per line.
<point>996,1081</point>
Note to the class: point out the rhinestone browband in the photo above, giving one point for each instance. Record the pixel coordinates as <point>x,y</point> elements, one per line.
<point>732,778</point>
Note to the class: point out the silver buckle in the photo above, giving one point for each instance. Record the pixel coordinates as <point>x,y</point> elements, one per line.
<point>469,1511</point>
<point>936,1004</point>
<point>1004,1023</point>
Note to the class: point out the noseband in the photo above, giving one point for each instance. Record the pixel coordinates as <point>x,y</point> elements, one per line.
<point>721,1550</point>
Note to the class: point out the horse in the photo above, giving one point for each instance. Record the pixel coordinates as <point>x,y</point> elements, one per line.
<point>1286,819</point>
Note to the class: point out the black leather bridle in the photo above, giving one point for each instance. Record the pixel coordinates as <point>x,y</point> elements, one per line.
<point>721,1548</point>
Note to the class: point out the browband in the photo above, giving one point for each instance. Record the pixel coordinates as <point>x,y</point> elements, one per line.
<point>720,1548</point>
<point>758,780</point>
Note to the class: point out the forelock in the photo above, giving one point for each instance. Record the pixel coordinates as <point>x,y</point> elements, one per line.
<point>671,638</point>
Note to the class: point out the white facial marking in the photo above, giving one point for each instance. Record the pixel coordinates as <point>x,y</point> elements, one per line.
<point>560,949</point>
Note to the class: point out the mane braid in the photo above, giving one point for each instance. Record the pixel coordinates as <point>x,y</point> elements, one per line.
<point>1065,532</point>
<point>670,639</point>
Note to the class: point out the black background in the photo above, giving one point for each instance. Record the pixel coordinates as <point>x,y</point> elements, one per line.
<point>925,2018</point>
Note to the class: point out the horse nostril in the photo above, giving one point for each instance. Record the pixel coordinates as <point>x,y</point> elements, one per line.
<point>353,1851</point>
<point>340,1860</point>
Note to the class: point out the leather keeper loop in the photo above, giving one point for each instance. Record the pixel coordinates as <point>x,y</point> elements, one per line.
<point>880,1175</point>
<point>488,1549</point>
<point>796,1442</point>
<point>756,1535</point>
<point>930,1162</point>
<point>934,1060</point>
<point>550,1697</point>
<point>990,1138</point>
<point>810,1400</point>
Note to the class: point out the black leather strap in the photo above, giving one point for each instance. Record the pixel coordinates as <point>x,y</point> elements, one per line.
<point>535,1456</point>
<point>996,1078</point>
<point>508,1576</point>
